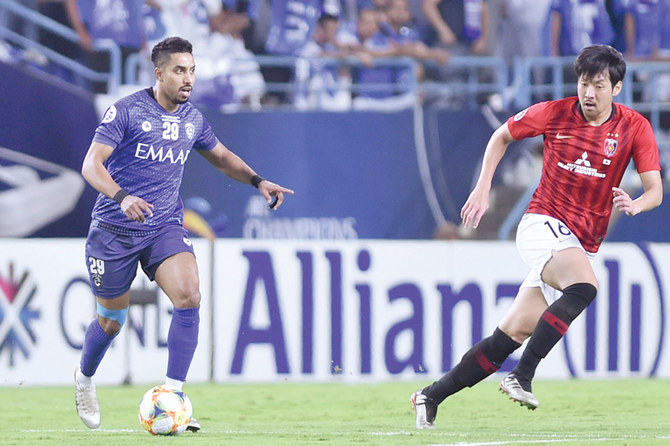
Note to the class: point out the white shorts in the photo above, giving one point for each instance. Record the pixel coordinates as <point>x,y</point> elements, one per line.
<point>538,237</point>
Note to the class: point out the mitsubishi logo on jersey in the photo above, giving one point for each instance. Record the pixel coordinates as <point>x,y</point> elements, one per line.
<point>582,166</point>
<point>16,316</point>
<point>583,161</point>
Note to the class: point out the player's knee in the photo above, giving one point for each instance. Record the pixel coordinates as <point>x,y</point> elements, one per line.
<point>585,291</point>
<point>520,327</point>
<point>109,326</point>
<point>188,298</point>
<point>575,299</point>
<point>519,334</point>
<point>192,300</point>
<point>111,321</point>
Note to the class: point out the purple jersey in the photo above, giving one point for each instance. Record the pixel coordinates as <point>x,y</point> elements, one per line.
<point>648,15</point>
<point>584,23</point>
<point>119,20</point>
<point>404,35</point>
<point>381,75</point>
<point>664,43</point>
<point>291,25</point>
<point>151,146</point>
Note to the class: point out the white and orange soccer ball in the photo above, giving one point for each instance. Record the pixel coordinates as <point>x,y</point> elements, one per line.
<point>164,411</point>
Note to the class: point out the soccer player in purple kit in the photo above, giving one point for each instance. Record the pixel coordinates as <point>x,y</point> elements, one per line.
<point>136,162</point>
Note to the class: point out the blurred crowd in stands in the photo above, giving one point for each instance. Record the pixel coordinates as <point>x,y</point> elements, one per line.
<point>337,43</point>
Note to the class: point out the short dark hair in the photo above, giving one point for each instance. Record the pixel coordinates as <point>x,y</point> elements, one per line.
<point>326,17</point>
<point>162,50</point>
<point>596,59</point>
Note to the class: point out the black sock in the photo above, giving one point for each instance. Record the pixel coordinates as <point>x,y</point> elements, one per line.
<point>480,361</point>
<point>551,327</point>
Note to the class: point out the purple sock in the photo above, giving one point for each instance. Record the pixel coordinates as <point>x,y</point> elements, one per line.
<point>182,340</point>
<point>96,343</point>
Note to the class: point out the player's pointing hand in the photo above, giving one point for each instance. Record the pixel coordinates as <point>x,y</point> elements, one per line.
<point>273,193</point>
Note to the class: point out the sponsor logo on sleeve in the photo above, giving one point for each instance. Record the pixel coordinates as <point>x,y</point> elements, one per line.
<point>110,115</point>
<point>520,115</point>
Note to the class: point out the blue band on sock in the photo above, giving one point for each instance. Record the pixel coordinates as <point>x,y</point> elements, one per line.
<point>115,315</point>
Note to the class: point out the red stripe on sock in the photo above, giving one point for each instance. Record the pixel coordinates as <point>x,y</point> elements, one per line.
<point>485,363</point>
<point>555,322</point>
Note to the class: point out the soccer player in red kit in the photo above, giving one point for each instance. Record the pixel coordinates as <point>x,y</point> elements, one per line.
<point>588,143</point>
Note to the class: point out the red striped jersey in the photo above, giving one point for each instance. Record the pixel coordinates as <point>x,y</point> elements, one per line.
<point>581,162</point>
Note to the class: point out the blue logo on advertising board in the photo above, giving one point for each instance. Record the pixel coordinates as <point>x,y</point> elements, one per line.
<point>625,326</point>
<point>16,315</point>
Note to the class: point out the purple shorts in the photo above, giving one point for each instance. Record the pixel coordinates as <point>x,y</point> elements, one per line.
<point>111,259</point>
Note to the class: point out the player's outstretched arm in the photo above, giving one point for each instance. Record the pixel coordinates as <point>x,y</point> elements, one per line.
<point>478,201</point>
<point>94,171</point>
<point>234,167</point>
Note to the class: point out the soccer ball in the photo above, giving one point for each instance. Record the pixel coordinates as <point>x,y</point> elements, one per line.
<point>164,411</point>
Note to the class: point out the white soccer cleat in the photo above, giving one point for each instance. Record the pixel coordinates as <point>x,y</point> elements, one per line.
<point>511,387</point>
<point>87,403</point>
<point>425,410</point>
<point>193,425</point>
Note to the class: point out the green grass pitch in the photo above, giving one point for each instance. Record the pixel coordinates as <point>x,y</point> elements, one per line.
<point>577,412</point>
